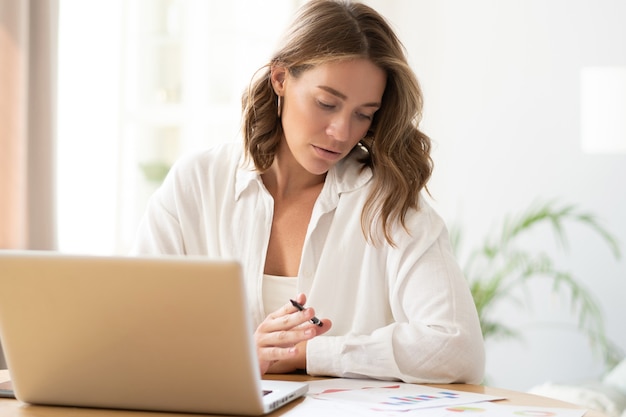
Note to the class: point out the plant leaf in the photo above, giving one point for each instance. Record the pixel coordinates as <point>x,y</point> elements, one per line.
<point>498,270</point>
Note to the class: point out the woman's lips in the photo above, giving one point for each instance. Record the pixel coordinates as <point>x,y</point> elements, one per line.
<point>326,153</point>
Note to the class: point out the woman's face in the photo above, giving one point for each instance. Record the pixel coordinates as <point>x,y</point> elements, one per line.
<point>327,110</point>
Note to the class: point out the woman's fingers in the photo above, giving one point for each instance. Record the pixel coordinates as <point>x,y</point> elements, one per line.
<point>287,317</point>
<point>283,334</point>
<point>326,325</point>
<point>285,337</point>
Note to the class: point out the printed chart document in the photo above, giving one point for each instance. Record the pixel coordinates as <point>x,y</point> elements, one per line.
<point>488,409</point>
<point>341,397</point>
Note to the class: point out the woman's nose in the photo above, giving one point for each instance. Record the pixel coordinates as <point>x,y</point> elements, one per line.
<point>339,127</point>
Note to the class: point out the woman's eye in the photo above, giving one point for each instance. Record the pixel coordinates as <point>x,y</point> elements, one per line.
<point>325,105</point>
<point>364,116</point>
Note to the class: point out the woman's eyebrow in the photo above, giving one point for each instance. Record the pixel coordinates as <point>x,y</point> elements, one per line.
<point>343,96</point>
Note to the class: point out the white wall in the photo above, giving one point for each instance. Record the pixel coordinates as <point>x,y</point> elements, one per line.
<point>501,83</point>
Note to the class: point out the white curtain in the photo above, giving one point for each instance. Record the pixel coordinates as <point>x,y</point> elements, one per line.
<point>27,123</point>
<point>28,33</point>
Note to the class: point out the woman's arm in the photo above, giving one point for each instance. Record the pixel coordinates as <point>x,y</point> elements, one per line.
<point>433,335</point>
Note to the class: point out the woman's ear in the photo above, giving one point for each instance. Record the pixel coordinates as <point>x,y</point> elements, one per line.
<point>277,76</point>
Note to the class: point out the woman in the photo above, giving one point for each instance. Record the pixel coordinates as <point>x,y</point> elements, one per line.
<point>324,199</point>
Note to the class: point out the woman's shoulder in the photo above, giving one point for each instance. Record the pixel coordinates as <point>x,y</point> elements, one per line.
<point>222,153</point>
<point>423,224</point>
<point>208,169</point>
<point>426,213</point>
<point>224,156</point>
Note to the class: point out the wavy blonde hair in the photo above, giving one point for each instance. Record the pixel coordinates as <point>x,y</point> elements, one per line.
<point>397,151</point>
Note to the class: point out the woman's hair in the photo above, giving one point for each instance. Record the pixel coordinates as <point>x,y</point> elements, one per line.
<point>398,152</point>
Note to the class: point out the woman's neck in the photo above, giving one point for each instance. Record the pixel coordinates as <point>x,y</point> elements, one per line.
<point>286,177</point>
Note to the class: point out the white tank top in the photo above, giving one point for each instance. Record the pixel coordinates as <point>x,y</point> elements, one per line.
<point>277,291</point>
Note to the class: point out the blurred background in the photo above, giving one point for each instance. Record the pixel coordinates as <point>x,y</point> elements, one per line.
<point>142,82</point>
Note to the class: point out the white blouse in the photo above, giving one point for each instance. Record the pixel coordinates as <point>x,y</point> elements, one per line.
<point>400,312</point>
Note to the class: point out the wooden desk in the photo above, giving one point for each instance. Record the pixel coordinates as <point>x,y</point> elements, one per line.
<point>13,408</point>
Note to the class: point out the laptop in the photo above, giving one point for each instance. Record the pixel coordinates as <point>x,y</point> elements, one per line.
<point>161,334</point>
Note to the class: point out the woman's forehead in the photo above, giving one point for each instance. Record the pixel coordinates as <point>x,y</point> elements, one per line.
<point>354,78</point>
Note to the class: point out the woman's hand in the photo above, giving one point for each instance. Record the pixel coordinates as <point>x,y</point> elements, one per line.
<point>281,338</point>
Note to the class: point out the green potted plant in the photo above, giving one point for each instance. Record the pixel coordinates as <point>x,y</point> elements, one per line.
<point>500,268</point>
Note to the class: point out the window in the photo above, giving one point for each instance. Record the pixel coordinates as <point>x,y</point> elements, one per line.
<point>142,82</point>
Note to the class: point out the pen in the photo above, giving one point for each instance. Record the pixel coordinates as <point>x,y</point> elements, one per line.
<point>300,307</point>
